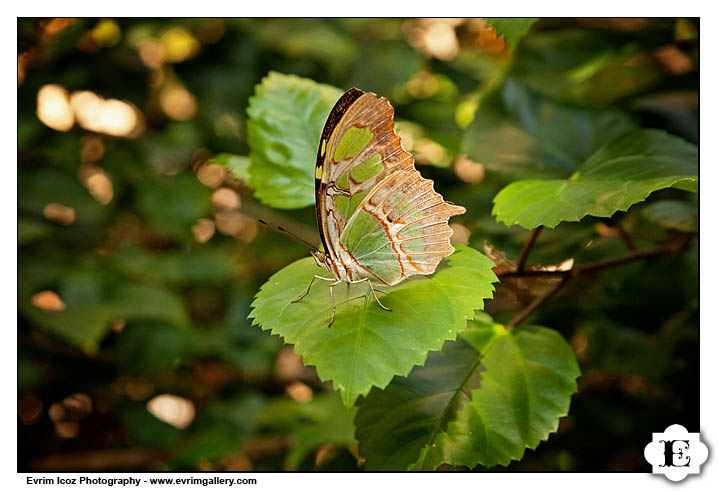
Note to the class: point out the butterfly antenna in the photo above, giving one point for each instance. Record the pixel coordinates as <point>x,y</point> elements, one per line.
<point>287,233</point>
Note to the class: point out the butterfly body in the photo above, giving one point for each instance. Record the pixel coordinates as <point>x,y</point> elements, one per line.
<point>379,220</point>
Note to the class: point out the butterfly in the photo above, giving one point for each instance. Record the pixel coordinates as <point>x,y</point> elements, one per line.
<point>379,220</point>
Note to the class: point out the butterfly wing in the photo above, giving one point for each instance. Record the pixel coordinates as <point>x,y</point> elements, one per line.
<point>377,216</point>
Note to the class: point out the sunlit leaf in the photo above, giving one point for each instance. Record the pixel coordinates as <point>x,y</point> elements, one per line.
<point>366,346</point>
<point>482,400</point>
<point>617,176</point>
<point>286,117</point>
<point>512,29</point>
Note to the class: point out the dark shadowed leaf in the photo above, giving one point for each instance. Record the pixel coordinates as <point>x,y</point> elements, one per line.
<point>673,214</point>
<point>520,133</point>
<point>481,400</point>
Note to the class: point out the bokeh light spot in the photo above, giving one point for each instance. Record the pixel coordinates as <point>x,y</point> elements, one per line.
<point>47,300</point>
<point>226,198</point>
<point>54,109</point>
<point>173,410</point>
<point>299,391</point>
<point>112,117</point>
<point>179,44</point>
<point>60,214</point>
<point>469,171</point>
<point>461,234</point>
<point>177,102</point>
<point>203,230</point>
<point>97,182</point>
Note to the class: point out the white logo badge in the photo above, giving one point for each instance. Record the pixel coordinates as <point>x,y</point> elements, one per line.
<point>676,453</point>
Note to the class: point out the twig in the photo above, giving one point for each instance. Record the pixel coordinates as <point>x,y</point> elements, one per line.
<point>634,256</point>
<point>627,239</point>
<point>587,268</point>
<point>537,302</point>
<point>527,248</point>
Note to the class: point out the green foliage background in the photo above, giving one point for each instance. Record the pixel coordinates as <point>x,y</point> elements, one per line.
<point>543,119</point>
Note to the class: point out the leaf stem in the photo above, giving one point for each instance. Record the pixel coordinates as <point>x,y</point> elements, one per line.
<point>527,248</point>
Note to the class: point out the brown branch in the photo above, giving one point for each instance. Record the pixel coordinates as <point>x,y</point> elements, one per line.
<point>587,268</point>
<point>527,248</point>
<point>627,239</point>
<point>592,267</point>
<point>537,302</point>
<point>633,257</point>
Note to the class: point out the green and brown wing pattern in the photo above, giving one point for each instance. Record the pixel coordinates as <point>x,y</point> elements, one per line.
<point>378,217</point>
<point>401,229</point>
<point>358,149</point>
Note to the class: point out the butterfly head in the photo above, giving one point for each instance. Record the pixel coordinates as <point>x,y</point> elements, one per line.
<point>320,258</point>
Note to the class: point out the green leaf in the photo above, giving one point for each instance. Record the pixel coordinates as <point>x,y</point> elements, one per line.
<point>286,117</point>
<point>147,349</point>
<point>237,165</point>
<point>198,266</point>
<point>145,429</point>
<point>673,214</point>
<point>210,444</point>
<point>587,66</point>
<point>29,231</point>
<point>615,349</point>
<point>84,325</point>
<point>513,29</point>
<point>619,175</point>
<point>172,204</point>
<point>366,346</point>
<point>521,133</point>
<point>483,399</point>
<point>322,420</point>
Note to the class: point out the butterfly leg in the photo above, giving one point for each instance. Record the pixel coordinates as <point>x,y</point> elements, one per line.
<point>334,305</point>
<point>316,276</point>
<point>371,287</point>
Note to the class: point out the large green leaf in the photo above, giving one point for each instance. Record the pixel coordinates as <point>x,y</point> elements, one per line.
<point>481,400</point>
<point>366,346</point>
<point>521,133</point>
<point>619,175</point>
<point>286,117</point>
<point>513,29</point>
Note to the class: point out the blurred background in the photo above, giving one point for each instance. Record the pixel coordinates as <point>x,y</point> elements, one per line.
<point>139,251</point>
